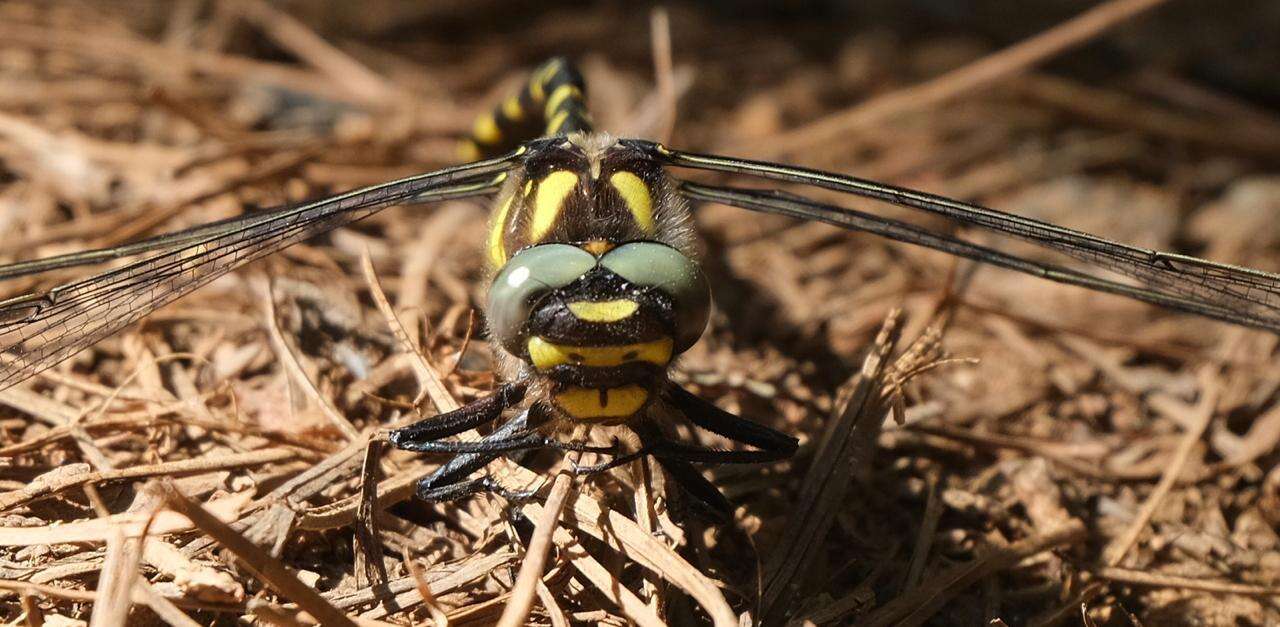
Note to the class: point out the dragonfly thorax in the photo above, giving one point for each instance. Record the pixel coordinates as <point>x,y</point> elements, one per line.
<point>586,189</point>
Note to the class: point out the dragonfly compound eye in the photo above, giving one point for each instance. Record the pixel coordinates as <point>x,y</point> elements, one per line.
<point>527,277</point>
<point>661,267</point>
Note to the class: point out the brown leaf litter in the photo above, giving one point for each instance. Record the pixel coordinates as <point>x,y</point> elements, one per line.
<point>977,447</point>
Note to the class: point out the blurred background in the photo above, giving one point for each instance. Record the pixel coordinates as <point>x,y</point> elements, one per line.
<point>122,119</point>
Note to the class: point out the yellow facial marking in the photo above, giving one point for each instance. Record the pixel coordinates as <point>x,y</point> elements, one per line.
<point>511,109</point>
<point>546,355</point>
<point>590,404</point>
<point>598,247</point>
<point>486,130</point>
<point>549,199</point>
<point>497,249</point>
<point>604,311</point>
<point>554,125</point>
<point>635,193</point>
<point>559,95</point>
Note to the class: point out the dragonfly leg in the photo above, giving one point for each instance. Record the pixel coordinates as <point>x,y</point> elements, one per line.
<point>442,492</point>
<point>706,415</point>
<point>704,493</point>
<point>448,482</point>
<point>465,418</point>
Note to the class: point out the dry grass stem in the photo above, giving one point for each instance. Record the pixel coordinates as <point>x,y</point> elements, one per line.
<point>306,44</point>
<point>1202,414</point>
<point>267,568</point>
<point>535,560</point>
<point>844,447</point>
<point>296,371</point>
<point>663,72</point>
<point>916,605</point>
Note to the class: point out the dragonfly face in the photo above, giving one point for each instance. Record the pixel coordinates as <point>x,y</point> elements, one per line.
<point>601,293</point>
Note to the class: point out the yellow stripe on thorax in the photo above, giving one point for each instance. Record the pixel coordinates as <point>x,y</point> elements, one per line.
<point>546,355</point>
<point>549,200</point>
<point>635,193</point>
<point>497,230</point>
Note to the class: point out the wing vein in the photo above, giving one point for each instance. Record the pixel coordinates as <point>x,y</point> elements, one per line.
<point>39,330</point>
<point>768,201</point>
<point>1223,291</point>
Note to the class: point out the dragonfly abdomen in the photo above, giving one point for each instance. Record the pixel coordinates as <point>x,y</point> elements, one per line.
<point>552,102</point>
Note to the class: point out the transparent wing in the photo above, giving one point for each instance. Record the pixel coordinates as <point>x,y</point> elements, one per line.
<point>41,329</point>
<point>159,242</point>
<point>1230,293</point>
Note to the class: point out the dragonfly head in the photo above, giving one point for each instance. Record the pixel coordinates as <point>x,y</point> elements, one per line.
<point>602,327</point>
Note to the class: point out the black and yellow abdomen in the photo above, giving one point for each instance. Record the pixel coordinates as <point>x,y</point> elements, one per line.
<point>552,102</point>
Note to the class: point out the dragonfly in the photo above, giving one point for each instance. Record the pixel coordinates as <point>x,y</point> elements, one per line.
<point>593,288</point>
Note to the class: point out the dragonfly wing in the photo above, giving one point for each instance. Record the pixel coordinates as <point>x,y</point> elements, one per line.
<point>1232,293</point>
<point>40,330</point>
<point>772,201</point>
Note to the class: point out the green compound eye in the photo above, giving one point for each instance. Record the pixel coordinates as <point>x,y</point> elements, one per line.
<point>527,276</point>
<point>666,269</point>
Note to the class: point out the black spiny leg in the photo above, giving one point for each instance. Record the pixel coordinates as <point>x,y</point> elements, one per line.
<point>677,458</point>
<point>465,418</point>
<point>775,445</point>
<point>695,485</point>
<point>463,489</point>
<point>448,481</point>
<point>521,442</point>
<point>691,481</point>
